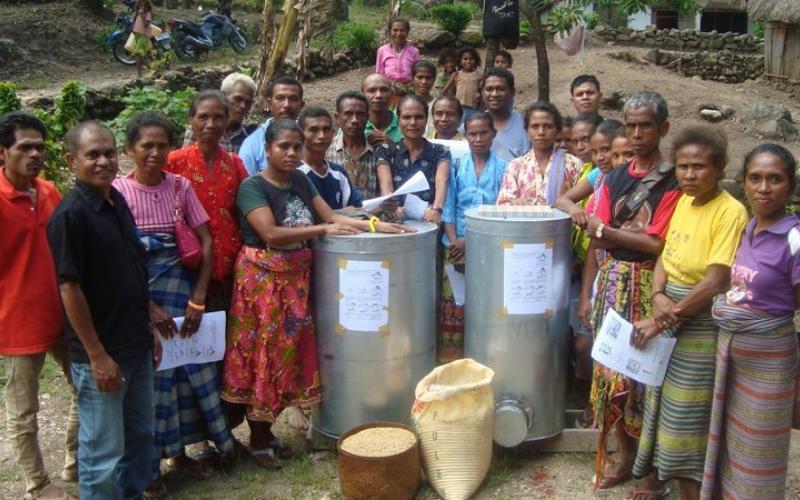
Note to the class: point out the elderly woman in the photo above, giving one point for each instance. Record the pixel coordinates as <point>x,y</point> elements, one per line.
<point>414,154</point>
<point>694,267</point>
<point>271,355</point>
<point>755,392</point>
<point>474,180</point>
<point>215,175</point>
<point>239,90</point>
<point>187,404</point>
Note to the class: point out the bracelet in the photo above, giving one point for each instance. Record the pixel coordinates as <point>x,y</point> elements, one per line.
<point>372,221</point>
<point>657,292</point>
<point>437,209</point>
<point>599,231</point>
<point>197,307</point>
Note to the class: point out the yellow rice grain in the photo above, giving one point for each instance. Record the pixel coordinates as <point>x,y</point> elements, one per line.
<point>379,442</point>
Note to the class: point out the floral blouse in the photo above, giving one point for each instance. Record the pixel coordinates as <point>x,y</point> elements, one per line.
<point>524,178</point>
<point>216,190</point>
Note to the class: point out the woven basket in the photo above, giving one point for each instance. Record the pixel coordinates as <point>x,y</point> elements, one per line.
<point>395,477</point>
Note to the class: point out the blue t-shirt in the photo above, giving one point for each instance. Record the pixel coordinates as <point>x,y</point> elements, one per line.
<point>513,141</point>
<point>593,175</point>
<point>334,187</point>
<point>252,151</point>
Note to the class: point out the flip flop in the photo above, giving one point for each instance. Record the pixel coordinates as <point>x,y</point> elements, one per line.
<point>266,459</point>
<point>611,480</point>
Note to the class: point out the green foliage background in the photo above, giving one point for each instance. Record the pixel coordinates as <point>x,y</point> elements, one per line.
<point>453,17</point>
<point>174,105</point>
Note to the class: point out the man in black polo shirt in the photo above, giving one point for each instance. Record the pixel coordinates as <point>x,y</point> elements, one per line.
<point>102,277</point>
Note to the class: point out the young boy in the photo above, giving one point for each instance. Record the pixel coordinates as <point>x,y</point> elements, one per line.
<point>330,179</point>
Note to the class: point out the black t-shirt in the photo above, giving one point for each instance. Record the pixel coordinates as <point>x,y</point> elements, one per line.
<point>654,214</point>
<point>94,243</point>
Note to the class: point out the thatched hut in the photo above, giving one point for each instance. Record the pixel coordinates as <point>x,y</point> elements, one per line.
<point>781,37</point>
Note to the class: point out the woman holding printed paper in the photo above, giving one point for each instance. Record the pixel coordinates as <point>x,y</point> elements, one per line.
<point>395,165</point>
<point>187,404</point>
<point>694,267</point>
<point>271,352</point>
<point>474,180</point>
<point>755,391</point>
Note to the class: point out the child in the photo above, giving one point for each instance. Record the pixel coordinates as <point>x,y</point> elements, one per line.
<point>466,81</point>
<point>503,59</point>
<point>447,65</point>
<point>581,134</point>
<point>565,136</point>
<point>600,141</point>
<point>621,150</point>
<point>143,46</point>
<point>395,59</point>
<point>330,179</point>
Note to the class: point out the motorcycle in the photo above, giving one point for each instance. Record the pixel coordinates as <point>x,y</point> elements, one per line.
<point>117,39</point>
<point>191,40</point>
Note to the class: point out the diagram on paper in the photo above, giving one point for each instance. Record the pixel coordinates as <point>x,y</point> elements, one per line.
<point>364,292</point>
<point>527,271</point>
<point>205,346</point>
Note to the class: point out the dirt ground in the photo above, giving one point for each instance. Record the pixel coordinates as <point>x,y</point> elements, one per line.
<point>522,473</point>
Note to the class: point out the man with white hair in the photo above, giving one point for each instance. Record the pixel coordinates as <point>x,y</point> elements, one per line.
<point>240,91</point>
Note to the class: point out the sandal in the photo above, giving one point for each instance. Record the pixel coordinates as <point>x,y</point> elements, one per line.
<point>266,459</point>
<point>182,463</point>
<point>156,489</point>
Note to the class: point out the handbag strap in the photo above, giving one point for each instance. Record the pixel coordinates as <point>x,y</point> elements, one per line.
<point>642,191</point>
<point>177,211</point>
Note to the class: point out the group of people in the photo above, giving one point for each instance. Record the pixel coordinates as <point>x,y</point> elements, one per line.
<point>98,277</point>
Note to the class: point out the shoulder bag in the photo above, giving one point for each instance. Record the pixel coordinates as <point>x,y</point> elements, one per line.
<point>642,191</point>
<point>189,248</point>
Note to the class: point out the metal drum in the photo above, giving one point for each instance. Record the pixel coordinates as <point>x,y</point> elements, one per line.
<point>516,316</point>
<point>368,369</point>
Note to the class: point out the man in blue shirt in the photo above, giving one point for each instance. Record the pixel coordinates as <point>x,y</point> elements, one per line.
<point>330,179</point>
<point>284,100</point>
<point>512,139</point>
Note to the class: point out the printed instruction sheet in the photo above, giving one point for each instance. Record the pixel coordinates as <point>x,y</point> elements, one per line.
<point>207,345</point>
<point>612,349</point>
<point>527,271</point>
<point>364,292</point>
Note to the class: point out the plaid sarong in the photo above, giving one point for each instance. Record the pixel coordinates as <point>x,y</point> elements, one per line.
<point>187,404</point>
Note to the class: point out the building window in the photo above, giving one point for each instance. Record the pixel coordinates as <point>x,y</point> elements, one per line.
<point>723,21</point>
<point>665,19</point>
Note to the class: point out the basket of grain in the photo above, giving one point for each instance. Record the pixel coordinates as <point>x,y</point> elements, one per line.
<point>379,460</point>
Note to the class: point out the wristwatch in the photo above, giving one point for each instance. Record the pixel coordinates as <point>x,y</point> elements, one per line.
<point>437,209</point>
<point>599,231</point>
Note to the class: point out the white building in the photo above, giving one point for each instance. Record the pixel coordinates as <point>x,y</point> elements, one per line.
<point>719,15</point>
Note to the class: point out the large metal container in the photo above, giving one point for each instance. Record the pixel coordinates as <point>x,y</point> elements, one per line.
<point>369,376</point>
<point>516,316</point>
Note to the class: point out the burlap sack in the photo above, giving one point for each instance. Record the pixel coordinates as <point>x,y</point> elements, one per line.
<point>453,415</point>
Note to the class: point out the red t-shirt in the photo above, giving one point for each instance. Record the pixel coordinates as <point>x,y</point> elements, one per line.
<point>653,216</point>
<point>30,308</point>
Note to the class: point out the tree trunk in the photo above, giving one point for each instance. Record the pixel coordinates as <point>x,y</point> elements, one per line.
<point>282,38</point>
<point>267,36</point>
<point>542,62</point>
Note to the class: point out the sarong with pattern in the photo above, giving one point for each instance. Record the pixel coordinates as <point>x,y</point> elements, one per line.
<point>188,408</point>
<point>271,352</point>
<point>624,287</point>
<point>751,417</point>
<point>450,342</point>
<point>676,415</point>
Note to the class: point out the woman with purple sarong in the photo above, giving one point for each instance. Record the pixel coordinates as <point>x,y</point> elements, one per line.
<point>755,397</point>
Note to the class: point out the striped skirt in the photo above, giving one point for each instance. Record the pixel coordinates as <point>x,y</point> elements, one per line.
<point>676,415</point>
<point>751,419</point>
<point>187,401</point>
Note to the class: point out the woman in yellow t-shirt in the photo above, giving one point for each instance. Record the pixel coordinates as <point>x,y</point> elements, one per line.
<point>694,267</point>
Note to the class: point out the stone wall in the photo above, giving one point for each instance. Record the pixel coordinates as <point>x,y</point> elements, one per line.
<point>721,66</point>
<point>681,39</point>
